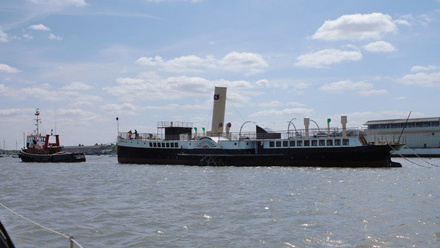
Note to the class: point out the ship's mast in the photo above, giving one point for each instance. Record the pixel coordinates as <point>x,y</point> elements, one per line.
<point>37,120</point>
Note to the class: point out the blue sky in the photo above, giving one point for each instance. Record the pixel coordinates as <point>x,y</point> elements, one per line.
<point>84,62</point>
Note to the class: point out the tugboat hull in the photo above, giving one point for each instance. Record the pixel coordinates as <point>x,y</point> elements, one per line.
<point>62,157</point>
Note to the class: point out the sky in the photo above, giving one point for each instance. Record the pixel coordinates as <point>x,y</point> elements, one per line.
<point>85,62</point>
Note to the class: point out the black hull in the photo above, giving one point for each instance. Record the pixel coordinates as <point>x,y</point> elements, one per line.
<point>361,156</point>
<point>64,157</point>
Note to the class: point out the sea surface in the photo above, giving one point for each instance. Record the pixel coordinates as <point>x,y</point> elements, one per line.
<point>105,204</point>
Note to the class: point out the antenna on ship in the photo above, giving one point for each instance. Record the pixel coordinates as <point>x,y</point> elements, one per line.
<point>403,129</point>
<point>37,114</point>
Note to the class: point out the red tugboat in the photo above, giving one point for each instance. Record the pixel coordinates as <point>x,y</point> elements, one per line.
<point>40,149</point>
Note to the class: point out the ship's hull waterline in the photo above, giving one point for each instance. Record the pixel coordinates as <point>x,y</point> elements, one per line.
<point>362,156</point>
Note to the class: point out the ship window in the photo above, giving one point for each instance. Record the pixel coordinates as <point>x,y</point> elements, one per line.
<point>168,144</point>
<point>345,142</point>
<point>176,144</point>
<point>278,143</point>
<point>299,143</point>
<point>321,142</point>
<point>337,142</point>
<point>285,143</point>
<point>314,142</point>
<point>150,144</point>
<point>292,143</point>
<point>172,144</point>
<point>271,144</point>
<point>306,142</point>
<point>329,142</point>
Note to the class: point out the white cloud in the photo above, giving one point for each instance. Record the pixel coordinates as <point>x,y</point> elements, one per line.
<point>356,27</point>
<point>283,112</point>
<point>423,79</point>
<point>85,100</point>
<point>379,46</point>
<point>3,36</point>
<point>424,68</point>
<point>403,22</point>
<point>271,104</point>
<point>55,37</point>
<point>39,27</point>
<point>190,63</point>
<point>264,83</point>
<point>301,86</point>
<point>294,104</point>
<point>327,57</point>
<point>155,88</point>
<point>77,86</point>
<point>158,1</point>
<point>77,3</point>
<point>360,88</point>
<point>343,86</point>
<point>248,63</point>
<point>8,69</point>
<point>373,92</point>
<point>124,108</point>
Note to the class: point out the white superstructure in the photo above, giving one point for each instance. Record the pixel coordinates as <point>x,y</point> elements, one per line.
<point>421,135</point>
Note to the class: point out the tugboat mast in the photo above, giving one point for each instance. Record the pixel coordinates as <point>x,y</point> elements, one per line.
<point>37,114</point>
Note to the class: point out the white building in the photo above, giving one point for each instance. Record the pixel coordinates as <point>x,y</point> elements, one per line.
<point>421,135</point>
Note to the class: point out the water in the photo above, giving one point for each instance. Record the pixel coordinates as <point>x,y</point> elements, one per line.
<point>105,204</point>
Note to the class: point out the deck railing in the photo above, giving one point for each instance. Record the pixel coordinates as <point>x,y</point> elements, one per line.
<point>291,134</point>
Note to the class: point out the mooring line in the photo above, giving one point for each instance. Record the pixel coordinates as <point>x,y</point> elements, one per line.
<point>70,238</point>
<point>424,160</point>
<point>412,162</point>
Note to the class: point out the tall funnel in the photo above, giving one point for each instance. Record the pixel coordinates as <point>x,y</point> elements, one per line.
<point>344,125</point>
<point>218,112</point>
<point>306,125</point>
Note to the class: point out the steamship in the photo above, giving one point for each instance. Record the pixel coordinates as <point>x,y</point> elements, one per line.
<point>176,144</point>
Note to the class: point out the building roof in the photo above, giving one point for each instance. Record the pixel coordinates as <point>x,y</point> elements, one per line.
<point>395,121</point>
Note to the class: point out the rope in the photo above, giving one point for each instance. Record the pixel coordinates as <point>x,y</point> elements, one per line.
<point>412,162</point>
<point>424,160</point>
<point>70,238</point>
